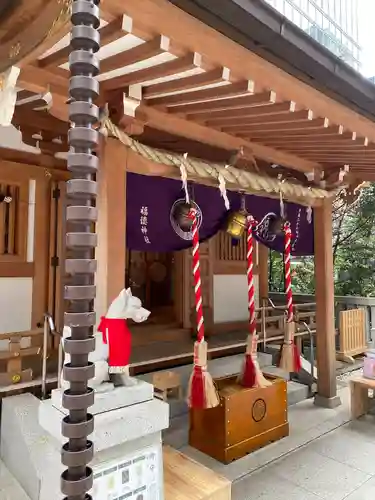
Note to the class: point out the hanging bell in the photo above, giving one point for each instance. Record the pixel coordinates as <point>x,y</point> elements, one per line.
<point>276,225</point>
<point>181,215</point>
<point>237,224</point>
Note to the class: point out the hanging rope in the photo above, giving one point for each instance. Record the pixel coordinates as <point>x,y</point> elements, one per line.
<point>202,393</point>
<point>236,179</point>
<point>290,359</point>
<point>252,375</point>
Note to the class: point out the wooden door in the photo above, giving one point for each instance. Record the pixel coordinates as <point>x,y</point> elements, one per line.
<point>150,276</point>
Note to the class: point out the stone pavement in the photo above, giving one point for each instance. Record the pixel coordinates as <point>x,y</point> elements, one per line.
<point>339,465</point>
<point>325,457</point>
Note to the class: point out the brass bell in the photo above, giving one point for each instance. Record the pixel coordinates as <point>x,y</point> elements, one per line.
<point>237,224</point>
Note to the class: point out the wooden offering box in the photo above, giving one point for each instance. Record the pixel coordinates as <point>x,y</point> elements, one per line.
<point>247,419</point>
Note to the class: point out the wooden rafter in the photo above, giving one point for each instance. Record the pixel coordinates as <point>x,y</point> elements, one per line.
<point>282,108</point>
<point>108,34</point>
<point>244,87</point>
<point>178,65</point>
<point>299,118</point>
<point>229,98</point>
<point>212,77</point>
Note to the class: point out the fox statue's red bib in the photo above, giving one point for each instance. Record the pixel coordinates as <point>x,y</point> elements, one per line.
<point>113,339</point>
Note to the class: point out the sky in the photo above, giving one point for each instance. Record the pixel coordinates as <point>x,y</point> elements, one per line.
<point>367,35</point>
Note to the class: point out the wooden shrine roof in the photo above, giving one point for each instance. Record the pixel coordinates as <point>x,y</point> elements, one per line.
<point>162,70</point>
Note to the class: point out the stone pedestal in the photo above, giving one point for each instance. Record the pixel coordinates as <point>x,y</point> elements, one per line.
<point>127,438</point>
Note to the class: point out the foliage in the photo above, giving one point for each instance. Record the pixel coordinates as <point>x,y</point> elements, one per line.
<point>353,251</point>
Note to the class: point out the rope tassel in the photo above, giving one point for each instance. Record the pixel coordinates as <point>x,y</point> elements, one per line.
<point>251,375</point>
<point>202,392</point>
<point>290,360</point>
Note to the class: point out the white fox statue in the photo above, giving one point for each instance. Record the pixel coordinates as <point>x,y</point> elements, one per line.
<point>112,342</point>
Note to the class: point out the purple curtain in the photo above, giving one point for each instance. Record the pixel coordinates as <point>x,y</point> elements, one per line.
<point>152,203</point>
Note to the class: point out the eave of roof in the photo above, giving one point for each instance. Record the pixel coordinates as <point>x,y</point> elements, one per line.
<point>260,28</point>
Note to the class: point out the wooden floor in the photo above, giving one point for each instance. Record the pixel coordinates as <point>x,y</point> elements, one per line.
<point>164,354</point>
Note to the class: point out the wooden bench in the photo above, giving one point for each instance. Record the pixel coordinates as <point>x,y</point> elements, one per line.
<point>185,479</point>
<point>359,398</point>
<point>167,383</point>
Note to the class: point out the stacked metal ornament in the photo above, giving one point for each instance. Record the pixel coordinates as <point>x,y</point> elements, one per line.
<point>81,241</point>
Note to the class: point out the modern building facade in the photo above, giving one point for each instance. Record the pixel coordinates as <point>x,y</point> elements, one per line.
<point>333,23</point>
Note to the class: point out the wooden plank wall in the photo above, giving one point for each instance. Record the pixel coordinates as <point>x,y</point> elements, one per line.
<point>230,258</point>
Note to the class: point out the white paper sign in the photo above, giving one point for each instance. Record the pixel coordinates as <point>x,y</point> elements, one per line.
<point>135,477</point>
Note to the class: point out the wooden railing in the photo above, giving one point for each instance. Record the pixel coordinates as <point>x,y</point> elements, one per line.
<point>355,330</point>
<point>271,321</point>
<point>21,345</point>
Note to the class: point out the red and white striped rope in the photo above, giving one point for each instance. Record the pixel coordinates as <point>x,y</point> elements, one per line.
<point>197,276</point>
<point>288,276</point>
<point>250,275</point>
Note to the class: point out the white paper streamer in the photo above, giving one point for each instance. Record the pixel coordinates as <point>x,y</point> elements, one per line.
<point>223,191</point>
<point>309,214</point>
<point>8,95</point>
<point>184,179</point>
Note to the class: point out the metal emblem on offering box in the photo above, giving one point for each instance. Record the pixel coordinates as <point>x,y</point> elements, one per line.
<point>134,477</point>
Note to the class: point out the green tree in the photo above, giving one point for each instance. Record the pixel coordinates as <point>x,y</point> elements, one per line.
<point>353,248</point>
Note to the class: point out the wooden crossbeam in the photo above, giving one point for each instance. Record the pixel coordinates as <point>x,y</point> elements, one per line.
<point>203,79</point>
<point>233,114</point>
<point>178,65</point>
<point>244,87</point>
<point>191,130</point>
<point>40,121</point>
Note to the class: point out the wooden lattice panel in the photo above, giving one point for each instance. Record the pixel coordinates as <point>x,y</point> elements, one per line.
<point>13,221</point>
<point>226,250</point>
<point>352,334</point>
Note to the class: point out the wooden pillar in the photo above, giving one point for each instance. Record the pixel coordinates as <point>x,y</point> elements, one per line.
<point>263,255</point>
<point>111,228</point>
<point>325,311</point>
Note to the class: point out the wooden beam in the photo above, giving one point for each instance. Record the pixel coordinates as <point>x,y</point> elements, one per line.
<point>300,118</point>
<point>326,134</point>
<point>158,45</point>
<point>40,80</point>
<point>178,65</point>
<point>185,128</point>
<point>56,34</point>
<point>108,34</point>
<point>314,131</point>
<point>111,252</point>
<point>40,120</point>
<point>193,34</point>
<point>244,87</point>
<point>325,307</point>
<point>35,165</point>
<point>258,111</point>
<point>331,145</point>
<point>262,98</point>
<point>202,79</point>
<point>304,125</point>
